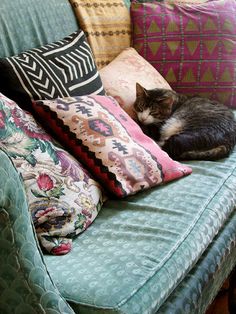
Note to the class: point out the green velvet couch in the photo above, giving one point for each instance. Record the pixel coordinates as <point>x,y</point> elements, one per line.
<point>166,250</point>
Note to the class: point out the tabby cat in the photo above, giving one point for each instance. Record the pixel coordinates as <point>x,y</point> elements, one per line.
<point>186,127</point>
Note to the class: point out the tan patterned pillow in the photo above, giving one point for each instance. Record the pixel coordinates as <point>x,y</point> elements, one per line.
<point>107,26</point>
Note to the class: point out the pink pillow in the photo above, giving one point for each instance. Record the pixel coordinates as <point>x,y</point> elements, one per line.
<point>193,46</point>
<point>110,143</point>
<point>120,76</point>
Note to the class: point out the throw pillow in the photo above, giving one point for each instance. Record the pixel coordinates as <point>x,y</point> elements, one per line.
<point>192,46</point>
<point>120,76</point>
<point>63,68</point>
<point>63,199</point>
<point>107,26</point>
<point>110,143</point>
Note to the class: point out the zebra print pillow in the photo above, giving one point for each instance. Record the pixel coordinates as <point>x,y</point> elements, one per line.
<point>61,69</point>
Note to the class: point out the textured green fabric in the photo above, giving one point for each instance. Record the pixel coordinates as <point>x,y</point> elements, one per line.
<point>201,285</point>
<point>26,24</point>
<point>127,3</point>
<point>25,286</point>
<point>140,248</point>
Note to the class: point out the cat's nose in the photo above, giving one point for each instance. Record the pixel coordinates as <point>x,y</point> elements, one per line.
<point>142,119</point>
<point>143,116</point>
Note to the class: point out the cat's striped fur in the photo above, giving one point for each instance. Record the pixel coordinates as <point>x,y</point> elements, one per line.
<point>186,127</point>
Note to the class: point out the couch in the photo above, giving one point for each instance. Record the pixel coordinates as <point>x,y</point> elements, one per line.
<point>164,250</point>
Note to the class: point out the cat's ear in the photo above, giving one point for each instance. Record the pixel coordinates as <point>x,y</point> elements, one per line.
<point>168,100</point>
<point>141,91</point>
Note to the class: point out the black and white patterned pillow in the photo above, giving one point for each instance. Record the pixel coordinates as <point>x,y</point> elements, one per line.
<point>63,68</point>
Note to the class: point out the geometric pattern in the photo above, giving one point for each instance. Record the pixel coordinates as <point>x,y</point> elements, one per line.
<point>59,69</point>
<point>110,144</point>
<point>106,25</point>
<point>190,46</point>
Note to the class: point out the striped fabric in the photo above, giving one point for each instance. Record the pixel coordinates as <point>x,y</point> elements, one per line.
<point>107,26</point>
<point>60,69</point>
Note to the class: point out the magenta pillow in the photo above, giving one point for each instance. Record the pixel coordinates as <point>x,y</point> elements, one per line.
<point>192,46</point>
<point>112,146</point>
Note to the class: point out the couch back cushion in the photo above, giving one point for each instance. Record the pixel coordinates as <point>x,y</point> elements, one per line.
<point>192,46</point>
<point>31,23</point>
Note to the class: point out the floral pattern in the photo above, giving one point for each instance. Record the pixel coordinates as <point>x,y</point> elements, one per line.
<point>63,198</point>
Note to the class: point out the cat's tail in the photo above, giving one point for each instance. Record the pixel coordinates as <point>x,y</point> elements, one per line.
<point>210,154</point>
<point>193,146</point>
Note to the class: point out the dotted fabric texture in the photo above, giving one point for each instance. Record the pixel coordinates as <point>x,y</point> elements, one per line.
<point>201,285</point>
<point>139,249</point>
<point>192,46</point>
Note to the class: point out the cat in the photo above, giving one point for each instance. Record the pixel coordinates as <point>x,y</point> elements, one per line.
<point>186,127</point>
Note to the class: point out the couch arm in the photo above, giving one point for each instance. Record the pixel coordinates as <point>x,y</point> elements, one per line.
<point>25,285</point>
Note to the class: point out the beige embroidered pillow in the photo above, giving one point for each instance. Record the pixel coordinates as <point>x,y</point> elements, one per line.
<point>106,25</point>
<point>120,76</point>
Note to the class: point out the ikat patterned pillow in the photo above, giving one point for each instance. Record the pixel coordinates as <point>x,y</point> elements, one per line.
<point>192,46</point>
<point>63,198</point>
<point>113,147</point>
<point>60,69</point>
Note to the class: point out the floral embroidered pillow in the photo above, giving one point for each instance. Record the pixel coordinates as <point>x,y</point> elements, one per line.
<point>99,132</point>
<point>63,198</point>
<point>119,78</point>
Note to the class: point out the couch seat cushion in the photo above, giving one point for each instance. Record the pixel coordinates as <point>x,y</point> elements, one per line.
<point>140,248</point>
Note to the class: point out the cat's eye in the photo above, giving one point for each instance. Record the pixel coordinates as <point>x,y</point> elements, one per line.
<point>139,108</point>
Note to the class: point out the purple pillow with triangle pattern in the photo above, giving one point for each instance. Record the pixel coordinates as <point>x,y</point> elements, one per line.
<point>192,46</point>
